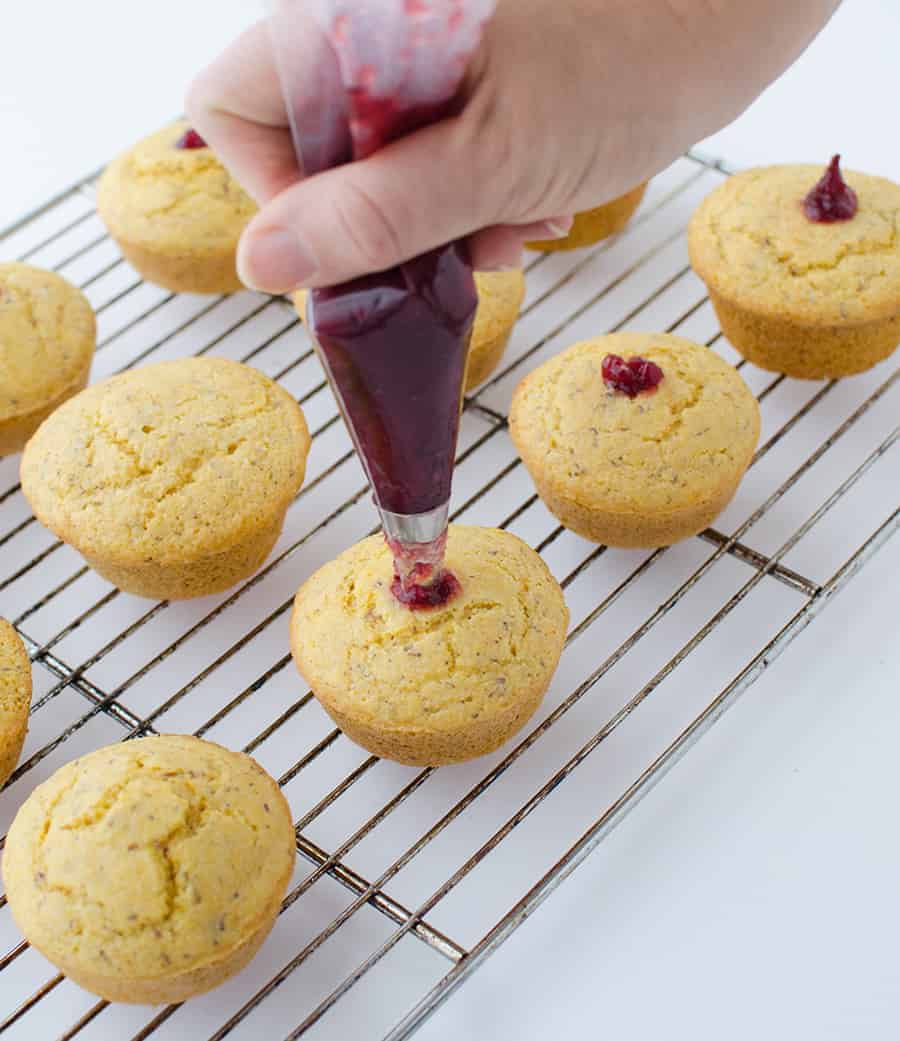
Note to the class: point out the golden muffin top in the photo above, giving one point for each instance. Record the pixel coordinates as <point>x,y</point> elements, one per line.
<point>47,337</point>
<point>173,199</point>
<point>500,296</point>
<point>661,450</point>
<point>751,242</point>
<point>150,856</point>
<point>500,635</point>
<point>167,463</point>
<point>15,681</point>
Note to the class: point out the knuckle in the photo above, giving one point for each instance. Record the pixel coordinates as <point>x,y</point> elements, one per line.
<point>498,160</point>
<point>372,233</point>
<point>193,103</point>
<point>197,100</point>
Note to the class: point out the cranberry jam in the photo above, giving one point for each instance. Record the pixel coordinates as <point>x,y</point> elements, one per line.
<point>630,377</point>
<point>420,579</point>
<point>421,596</point>
<point>831,199</point>
<point>395,344</point>
<point>190,139</point>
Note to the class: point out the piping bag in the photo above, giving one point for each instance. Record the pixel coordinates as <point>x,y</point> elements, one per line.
<point>356,75</point>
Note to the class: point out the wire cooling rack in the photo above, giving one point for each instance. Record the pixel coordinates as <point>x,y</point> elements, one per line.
<point>407,880</point>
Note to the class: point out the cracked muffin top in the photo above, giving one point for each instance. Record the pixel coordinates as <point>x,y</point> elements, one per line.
<point>168,463</point>
<point>149,857</point>
<point>47,333</point>
<point>15,697</point>
<point>171,198</point>
<point>374,659</point>
<point>752,243</point>
<point>663,450</point>
<point>47,337</point>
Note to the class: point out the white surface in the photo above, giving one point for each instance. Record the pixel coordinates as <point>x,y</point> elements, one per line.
<point>752,894</point>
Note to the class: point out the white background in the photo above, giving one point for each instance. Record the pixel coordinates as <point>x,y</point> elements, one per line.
<point>754,893</point>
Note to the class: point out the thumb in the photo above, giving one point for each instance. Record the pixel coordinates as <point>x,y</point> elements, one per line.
<point>423,191</point>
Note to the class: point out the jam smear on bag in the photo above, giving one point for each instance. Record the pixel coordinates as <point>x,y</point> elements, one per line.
<point>190,139</point>
<point>831,199</point>
<point>630,377</point>
<point>377,121</point>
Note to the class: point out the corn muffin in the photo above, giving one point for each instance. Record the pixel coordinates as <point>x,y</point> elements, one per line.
<point>152,870</point>
<point>592,226</point>
<point>434,686</point>
<point>808,298</point>
<point>47,338</point>
<point>175,212</point>
<point>15,698</point>
<point>633,468</point>
<point>172,480</point>
<point>500,296</point>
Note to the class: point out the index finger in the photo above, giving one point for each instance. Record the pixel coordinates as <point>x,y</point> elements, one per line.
<point>237,105</point>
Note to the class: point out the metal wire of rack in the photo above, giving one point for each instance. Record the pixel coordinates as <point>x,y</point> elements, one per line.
<point>398,874</point>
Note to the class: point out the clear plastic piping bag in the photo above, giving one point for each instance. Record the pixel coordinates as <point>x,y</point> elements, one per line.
<point>413,53</point>
<point>357,74</point>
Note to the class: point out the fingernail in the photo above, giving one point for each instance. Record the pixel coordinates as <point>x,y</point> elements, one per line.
<point>276,260</point>
<point>508,259</point>
<point>559,227</point>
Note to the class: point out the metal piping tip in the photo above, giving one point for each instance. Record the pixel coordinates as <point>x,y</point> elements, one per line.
<point>417,540</point>
<point>411,529</point>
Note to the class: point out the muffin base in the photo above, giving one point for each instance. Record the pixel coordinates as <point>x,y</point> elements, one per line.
<point>191,579</point>
<point>168,990</point>
<point>485,360</point>
<point>11,748</point>
<point>593,226</point>
<point>422,747</point>
<point>15,432</point>
<point>14,721</point>
<point>636,530</point>
<point>184,273</point>
<point>811,352</point>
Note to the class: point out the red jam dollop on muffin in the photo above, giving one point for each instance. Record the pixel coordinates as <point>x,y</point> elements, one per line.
<point>190,139</point>
<point>630,377</point>
<point>420,595</point>
<point>831,199</point>
<point>420,579</point>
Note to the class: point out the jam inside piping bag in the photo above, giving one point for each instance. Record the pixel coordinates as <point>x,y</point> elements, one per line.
<point>357,74</point>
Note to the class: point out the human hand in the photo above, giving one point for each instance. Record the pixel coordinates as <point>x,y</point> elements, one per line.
<point>567,104</point>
